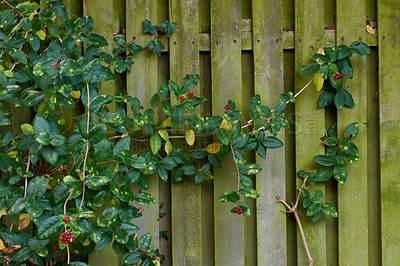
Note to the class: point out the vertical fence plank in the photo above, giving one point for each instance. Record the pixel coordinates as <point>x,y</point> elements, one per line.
<point>185,196</point>
<point>142,82</point>
<point>268,82</point>
<point>389,98</point>
<point>353,196</point>
<point>102,13</point>
<point>226,84</point>
<point>310,120</point>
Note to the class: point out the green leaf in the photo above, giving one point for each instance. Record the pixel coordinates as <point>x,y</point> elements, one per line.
<point>145,198</point>
<point>254,102</point>
<point>96,182</point>
<point>23,254</point>
<point>229,195</point>
<point>50,154</point>
<point>351,130</point>
<point>343,51</point>
<point>316,217</point>
<point>250,169</point>
<point>306,202</point>
<point>346,68</point>
<point>360,48</point>
<point>223,136</point>
<point>272,143</point>
<point>340,174</point>
<point>59,9</point>
<point>28,6</point>
<point>169,28</point>
<point>329,209</point>
<point>339,100</point>
<point>149,28</point>
<point>155,143</point>
<point>106,239</point>
<point>313,209</point>
<point>37,187</point>
<point>34,207</point>
<point>43,138</point>
<point>324,174</point>
<point>92,71</point>
<point>50,228</point>
<point>132,258</point>
<point>87,24</point>
<point>156,47</point>
<point>53,28</point>
<point>26,24</point>
<point>18,206</point>
<point>245,181</point>
<point>325,99</point>
<point>119,64</point>
<point>249,193</point>
<point>349,99</point>
<point>280,108</point>
<point>98,40</point>
<point>317,196</point>
<point>144,241</point>
<point>325,160</point>
<point>310,69</point>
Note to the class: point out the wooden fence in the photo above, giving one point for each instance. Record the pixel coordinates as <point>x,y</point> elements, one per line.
<point>243,47</point>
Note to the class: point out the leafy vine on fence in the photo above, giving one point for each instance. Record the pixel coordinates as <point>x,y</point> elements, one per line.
<point>68,192</point>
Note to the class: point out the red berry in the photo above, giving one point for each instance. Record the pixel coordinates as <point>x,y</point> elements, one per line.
<point>338,75</point>
<point>187,76</point>
<point>133,38</point>
<point>239,210</point>
<point>62,234</point>
<point>67,219</point>
<point>125,93</point>
<point>154,257</point>
<point>182,99</point>
<point>138,155</point>
<point>227,107</point>
<point>83,26</point>
<point>1,40</point>
<point>73,239</point>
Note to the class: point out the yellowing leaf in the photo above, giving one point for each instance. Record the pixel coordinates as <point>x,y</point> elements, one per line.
<point>226,125</point>
<point>166,123</point>
<point>2,245</point>
<point>321,51</point>
<point>41,34</point>
<point>163,134</point>
<point>213,148</point>
<point>190,137</point>
<point>24,221</point>
<point>3,211</point>
<point>76,94</point>
<point>370,30</point>
<point>9,73</point>
<point>168,147</point>
<point>318,81</point>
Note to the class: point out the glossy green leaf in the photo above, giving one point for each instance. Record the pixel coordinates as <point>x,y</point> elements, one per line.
<point>229,195</point>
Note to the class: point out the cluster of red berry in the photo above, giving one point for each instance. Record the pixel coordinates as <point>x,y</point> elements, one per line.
<point>190,94</point>
<point>239,210</point>
<point>66,238</point>
<point>182,99</point>
<point>338,75</point>
<point>228,107</point>
<point>67,219</point>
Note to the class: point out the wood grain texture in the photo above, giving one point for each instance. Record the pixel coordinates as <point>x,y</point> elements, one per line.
<point>268,82</point>
<point>310,120</point>
<point>353,195</point>
<point>226,84</point>
<point>389,79</point>
<point>186,196</point>
<point>142,82</point>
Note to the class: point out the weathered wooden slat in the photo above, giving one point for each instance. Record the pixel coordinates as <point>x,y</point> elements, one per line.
<point>310,120</point>
<point>102,13</point>
<point>389,98</point>
<point>142,82</point>
<point>329,39</point>
<point>226,84</point>
<point>353,195</point>
<point>186,196</point>
<point>268,82</point>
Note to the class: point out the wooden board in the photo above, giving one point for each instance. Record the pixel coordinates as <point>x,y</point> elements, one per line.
<point>185,196</point>
<point>226,84</point>
<point>268,82</point>
<point>389,80</point>
<point>310,120</point>
<point>353,195</point>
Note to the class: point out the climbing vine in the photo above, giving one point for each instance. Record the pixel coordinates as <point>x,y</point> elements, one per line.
<point>69,191</point>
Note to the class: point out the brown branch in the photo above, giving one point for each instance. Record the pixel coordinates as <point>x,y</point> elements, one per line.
<point>5,1</point>
<point>294,210</point>
<point>237,167</point>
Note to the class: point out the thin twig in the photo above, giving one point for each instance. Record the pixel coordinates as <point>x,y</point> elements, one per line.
<point>87,145</point>
<point>296,215</point>
<point>26,179</point>
<point>5,1</point>
<point>86,12</point>
<point>237,167</point>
